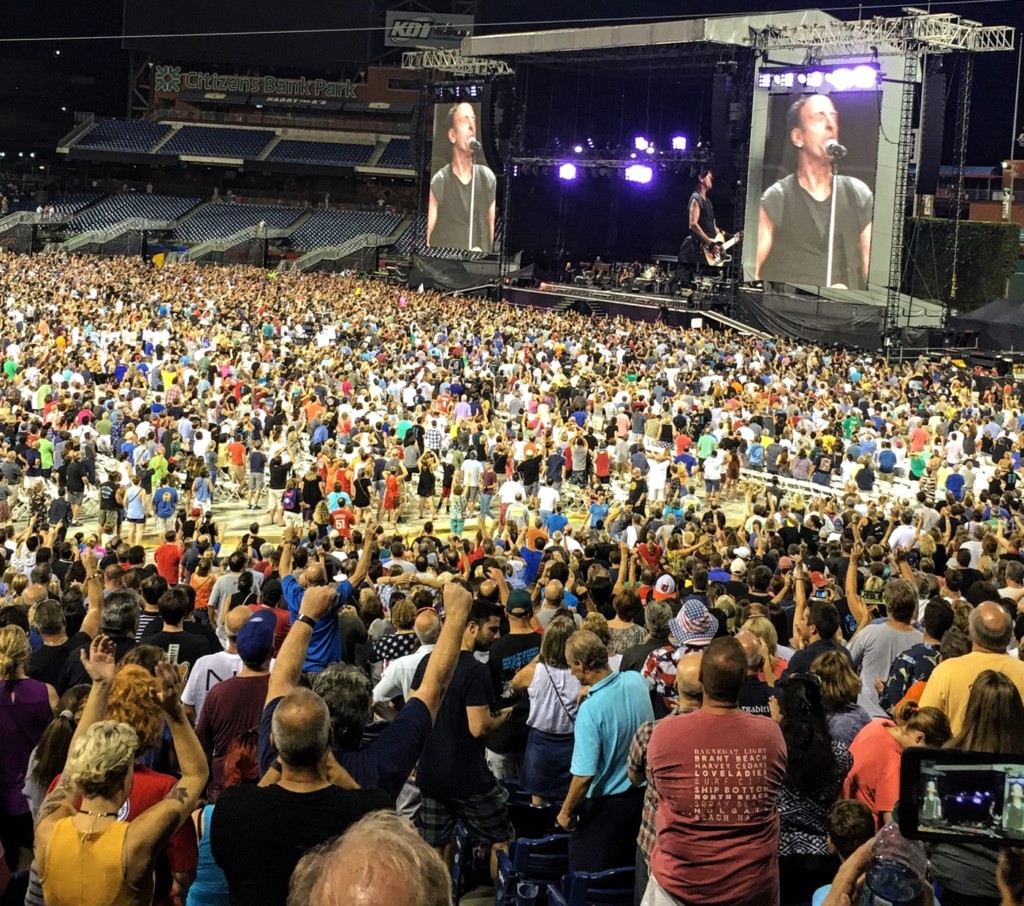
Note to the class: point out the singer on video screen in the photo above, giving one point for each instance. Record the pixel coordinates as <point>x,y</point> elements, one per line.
<point>798,215</point>
<point>460,211</point>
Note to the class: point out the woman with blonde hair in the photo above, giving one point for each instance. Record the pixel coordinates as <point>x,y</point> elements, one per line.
<point>764,630</point>
<point>85,856</point>
<point>841,687</point>
<point>26,709</point>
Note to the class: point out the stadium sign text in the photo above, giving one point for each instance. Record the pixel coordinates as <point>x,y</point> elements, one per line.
<point>405,29</point>
<point>171,80</point>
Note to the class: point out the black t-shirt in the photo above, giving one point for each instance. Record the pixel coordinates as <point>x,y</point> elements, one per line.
<point>529,470</point>
<point>754,696</point>
<point>451,743</point>
<point>279,472</point>
<point>507,656</point>
<point>181,647</point>
<point>290,824</point>
<point>76,471</point>
<point>46,664</point>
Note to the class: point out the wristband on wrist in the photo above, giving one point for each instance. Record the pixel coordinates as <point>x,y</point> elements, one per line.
<point>307,619</point>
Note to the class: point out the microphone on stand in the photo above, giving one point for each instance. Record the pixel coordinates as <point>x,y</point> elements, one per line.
<point>475,146</point>
<point>832,149</point>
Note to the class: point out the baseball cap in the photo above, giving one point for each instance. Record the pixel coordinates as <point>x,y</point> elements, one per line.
<point>196,511</point>
<point>519,603</point>
<point>664,588</point>
<point>818,579</point>
<point>693,625</point>
<point>738,567</point>
<point>742,552</point>
<point>255,640</point>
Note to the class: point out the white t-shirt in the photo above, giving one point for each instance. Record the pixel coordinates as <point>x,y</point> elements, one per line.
<point>209,670</point>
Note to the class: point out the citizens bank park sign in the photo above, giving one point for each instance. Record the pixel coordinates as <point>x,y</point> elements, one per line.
<point>171,80</point>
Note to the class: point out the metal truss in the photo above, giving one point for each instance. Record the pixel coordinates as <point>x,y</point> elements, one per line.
<point>452,61</point>
<point>917,31</point>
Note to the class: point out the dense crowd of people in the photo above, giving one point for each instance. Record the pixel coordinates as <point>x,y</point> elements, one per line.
<point>683,595</point>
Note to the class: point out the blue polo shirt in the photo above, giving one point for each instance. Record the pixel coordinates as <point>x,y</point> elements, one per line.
<point>605,724</point>
<point>325,642</point>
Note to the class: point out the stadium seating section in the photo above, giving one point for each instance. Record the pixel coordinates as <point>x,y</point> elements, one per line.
<point>68,203</point>
<point>335,153</point>
<point>116,135</point>
<point>216,221</point>
<point>328,228</point>
<point>207,141</point>
<point>396,156</point>
<point>116,208</point>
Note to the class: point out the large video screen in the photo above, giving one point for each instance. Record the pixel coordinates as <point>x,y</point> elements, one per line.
<point>463,192</point>
<point>812,137</point>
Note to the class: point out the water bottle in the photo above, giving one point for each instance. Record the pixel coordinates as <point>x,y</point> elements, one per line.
<point>898,871</point>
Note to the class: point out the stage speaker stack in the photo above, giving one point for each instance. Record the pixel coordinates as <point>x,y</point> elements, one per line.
<point>933,122</point>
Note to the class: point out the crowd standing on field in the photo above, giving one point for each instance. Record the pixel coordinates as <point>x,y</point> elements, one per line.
<point>683,595</point>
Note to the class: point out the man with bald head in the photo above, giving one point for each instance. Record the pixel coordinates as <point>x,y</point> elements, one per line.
<point>397,677</point>
<point>307,802</point>
<point>552,603</point>
<point>690,697</point>
<point>948,688</point>
<point>717,771</point>
<point>380,859</point>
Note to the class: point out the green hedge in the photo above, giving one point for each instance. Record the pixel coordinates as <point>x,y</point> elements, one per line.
<point>987,257</point>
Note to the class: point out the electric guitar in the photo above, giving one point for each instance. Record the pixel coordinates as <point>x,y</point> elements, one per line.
<point>715,254</point>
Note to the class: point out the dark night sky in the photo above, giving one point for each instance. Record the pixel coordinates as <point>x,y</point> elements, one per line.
<point>93,75</point>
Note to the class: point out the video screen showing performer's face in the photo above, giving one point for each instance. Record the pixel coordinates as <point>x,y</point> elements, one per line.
<point>463,189</point>
<point>812,137</point>
<point>983,802</point>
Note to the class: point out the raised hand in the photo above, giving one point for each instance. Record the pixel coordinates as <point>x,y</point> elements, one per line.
<point>171,684</point>
<point>100,660</point>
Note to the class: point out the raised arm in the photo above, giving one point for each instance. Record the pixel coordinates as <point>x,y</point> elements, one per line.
<point>853,600</point>
<point>316,603</point>
<point>445,656</point>
<point>154,826</point>
<point>362,569</point>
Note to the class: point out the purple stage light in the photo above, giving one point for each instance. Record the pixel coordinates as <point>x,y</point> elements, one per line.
<point>640,143</point>
<point>639,173</point>
<point>678,142</point>
<point>862,77</point>
<point>567,172</point>
<point>578,149</point>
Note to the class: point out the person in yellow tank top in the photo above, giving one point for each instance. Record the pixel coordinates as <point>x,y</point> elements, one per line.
<point>85,856</point>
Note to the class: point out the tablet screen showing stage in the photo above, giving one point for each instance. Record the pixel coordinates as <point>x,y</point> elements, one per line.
<point>984,801</point>
<point>463,188</point>
<point>812,138</point>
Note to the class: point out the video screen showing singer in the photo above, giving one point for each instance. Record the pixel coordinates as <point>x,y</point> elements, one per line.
<point>463,193</point>
<point>796,211</point>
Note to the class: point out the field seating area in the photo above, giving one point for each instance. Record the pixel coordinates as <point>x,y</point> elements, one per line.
<point>397,155</point>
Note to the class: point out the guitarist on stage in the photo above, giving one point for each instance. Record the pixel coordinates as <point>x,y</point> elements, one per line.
<point>705,239</point>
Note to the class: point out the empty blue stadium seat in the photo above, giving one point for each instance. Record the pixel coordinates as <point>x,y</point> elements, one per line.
<point>337,153</point>
<point>613,887</point>
<point>540,861</point>
<point>117,135</point>
<point>129,205</point>
<point>217,221</point>
<point>208,141</point>
<point>327,228</point>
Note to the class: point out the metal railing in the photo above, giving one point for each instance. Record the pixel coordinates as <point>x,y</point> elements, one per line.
<point>222,244</point>
<point>105,235</point>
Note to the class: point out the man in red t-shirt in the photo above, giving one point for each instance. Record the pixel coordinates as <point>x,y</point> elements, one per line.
<point>717,772</point>
<point>167,558</point>
<point>236,456</point>
<point>235,705</point>
<point>341,521</point>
